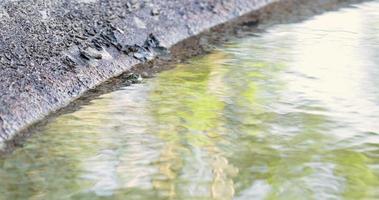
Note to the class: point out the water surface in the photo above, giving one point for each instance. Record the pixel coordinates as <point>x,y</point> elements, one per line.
<point>290,113</point>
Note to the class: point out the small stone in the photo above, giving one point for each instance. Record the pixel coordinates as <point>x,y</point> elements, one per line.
<point>145,75</point>
<point>67,60</point>
<point>133,78</point>
<point>90,53</point>
<point>98,44</point>
<point>140,24</point>
<point>155,11</point>
<point>90,31</point>
<point>84,55</point>
<point>139,56</point>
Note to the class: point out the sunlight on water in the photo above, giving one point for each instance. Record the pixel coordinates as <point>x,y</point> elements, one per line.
<point>291,113</point>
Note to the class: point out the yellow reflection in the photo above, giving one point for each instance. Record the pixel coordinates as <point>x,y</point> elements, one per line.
<point>191,117</point>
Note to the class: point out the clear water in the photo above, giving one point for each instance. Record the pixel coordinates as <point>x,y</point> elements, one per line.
<point>291,113</point>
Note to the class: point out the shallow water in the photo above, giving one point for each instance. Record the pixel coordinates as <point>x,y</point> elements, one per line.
<point>291,113</point>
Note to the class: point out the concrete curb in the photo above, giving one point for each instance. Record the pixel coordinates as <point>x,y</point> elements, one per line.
<point>51,52</point>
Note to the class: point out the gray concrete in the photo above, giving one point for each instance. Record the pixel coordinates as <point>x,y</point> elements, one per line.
<point>52,51</point>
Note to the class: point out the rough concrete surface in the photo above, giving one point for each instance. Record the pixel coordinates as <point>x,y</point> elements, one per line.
<point>52,51</point>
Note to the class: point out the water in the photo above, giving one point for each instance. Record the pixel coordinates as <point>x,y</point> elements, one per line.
<point>291,113</point>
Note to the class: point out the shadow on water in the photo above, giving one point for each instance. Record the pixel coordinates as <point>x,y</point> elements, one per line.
<point>290,113</point>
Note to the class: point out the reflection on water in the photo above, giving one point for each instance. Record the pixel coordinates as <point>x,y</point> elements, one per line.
<point>289,114</point>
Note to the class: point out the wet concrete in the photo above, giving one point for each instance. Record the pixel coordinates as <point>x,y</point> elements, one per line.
<point>51,52</point>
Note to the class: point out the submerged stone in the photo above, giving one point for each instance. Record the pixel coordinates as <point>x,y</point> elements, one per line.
<point>133,78</point>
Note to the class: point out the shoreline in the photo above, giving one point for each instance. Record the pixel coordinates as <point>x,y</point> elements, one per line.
<point>90,51</point>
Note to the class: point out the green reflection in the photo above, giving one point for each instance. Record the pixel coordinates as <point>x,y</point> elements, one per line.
<point>187,104</point>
